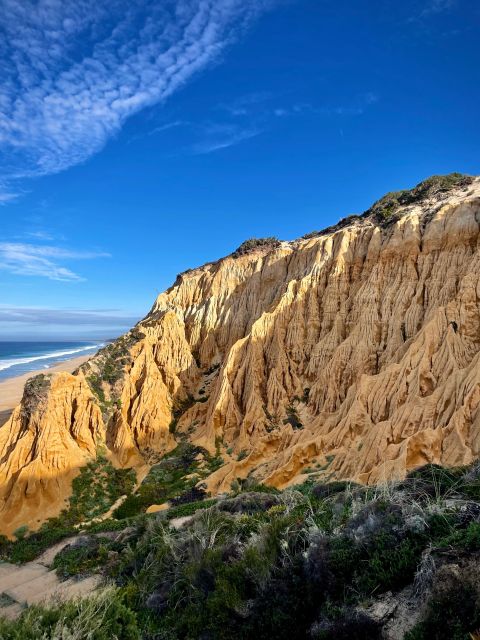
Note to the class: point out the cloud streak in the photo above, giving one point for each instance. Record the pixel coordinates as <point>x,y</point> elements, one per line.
<point>222,136</point>
<point>75,70</point>
<point>437,6</point>
<point>78,317</point>
<point>40,260</point>
<point>250,115</point>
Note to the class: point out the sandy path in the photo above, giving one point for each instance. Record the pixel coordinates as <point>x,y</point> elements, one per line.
<point>36,582</point>
<point>11,390</point>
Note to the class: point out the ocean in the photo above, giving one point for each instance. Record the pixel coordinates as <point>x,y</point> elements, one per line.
<point>17,358</point>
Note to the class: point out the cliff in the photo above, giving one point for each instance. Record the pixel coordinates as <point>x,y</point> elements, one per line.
<point>354,351</point>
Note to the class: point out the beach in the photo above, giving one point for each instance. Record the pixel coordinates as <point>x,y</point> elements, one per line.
<point>11,390</point>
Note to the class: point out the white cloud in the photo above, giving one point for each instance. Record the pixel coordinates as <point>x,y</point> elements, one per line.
<point>74,70</point>
<point>40,260</point>
<point>39,235</point>
<point>356,107</point>
<point>437,6</point>
<point>23,323</point>
<point>45,316</point>
<point>168,125</point>
<point>222,136</point>
<point>7,197</point>
<point>246,104</point>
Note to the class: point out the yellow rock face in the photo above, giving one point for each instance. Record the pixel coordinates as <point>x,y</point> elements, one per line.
<point>49,436</point>
<point>355,353</point>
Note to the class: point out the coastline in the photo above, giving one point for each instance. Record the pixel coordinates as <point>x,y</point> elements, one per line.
<point>11,390</point>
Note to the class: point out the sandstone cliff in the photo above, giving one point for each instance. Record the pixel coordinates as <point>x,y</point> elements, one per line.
<point>354,350</point>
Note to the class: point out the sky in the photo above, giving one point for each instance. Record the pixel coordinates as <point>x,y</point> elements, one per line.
<point>141,139</point>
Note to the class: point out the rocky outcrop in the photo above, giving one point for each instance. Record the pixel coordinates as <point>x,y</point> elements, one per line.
<point>53,432</point>
<point>353,351</point>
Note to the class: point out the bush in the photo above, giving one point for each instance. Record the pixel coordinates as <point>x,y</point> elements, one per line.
<point>329,489</point>
<point>286,564</point>
<point>102,617</point>
<point>21,532</point>
<point>453,612</point>
<point>82,557</point>
<point>348,624</point>
<point>292,418</point>
<point>30,547</point>
<point>255,243</point>
<point>386,207</point>
<point>467,539</point>
<point>172,479</point>
<point>195,494</point>
<point>251,502</point>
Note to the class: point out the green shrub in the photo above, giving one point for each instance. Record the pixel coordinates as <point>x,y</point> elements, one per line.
<point>283,564</point>
<point>174,476</point>
<point>467,539</point>
<point>292,418</point>
<point>255,243</point>
<point>102,617</point>
<point>451,616</point>
<point>386,207</point>
<point>30,547</point>
<point>81,559</point>
<point>389,564</point>
<point>21,532</point>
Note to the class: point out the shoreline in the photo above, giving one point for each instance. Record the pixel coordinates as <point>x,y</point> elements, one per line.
<point>11,389</point>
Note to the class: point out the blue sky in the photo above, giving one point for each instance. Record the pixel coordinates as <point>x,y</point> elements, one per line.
<point>141,139</point>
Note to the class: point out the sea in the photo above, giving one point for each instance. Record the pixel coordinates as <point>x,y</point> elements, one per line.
<point>17,358</point>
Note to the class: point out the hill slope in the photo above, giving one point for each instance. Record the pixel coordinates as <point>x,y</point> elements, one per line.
<point>353,352</point>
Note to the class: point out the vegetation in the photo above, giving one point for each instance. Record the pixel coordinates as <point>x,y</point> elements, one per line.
<point>344,222</point>
<point>108,369</point>
<point>35,392</point>
<point>173,478</point>
<point>94,490</point>
<point>255,243</point>
<point>306,562</point>
<point>103,617</point>
<point>385,208</point>
<point>81,557</point>
<point>293,418</point>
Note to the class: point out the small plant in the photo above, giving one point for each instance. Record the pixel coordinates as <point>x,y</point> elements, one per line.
<point>21,532</point>
<point>81,558</point>
<point>101,617</point>
<point>293,418</point>
<point>255,243</point>
<point>35,393</point>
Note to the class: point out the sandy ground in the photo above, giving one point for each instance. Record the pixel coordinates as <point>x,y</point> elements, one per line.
<point>11,390</point>
<point>37,582</point>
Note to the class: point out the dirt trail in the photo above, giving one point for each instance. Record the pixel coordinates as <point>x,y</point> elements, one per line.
<point>35,582</point>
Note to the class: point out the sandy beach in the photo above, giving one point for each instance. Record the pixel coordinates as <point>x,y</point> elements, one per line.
<point>11,390</point>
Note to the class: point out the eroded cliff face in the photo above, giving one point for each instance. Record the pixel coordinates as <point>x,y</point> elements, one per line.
<point>355,351</point>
